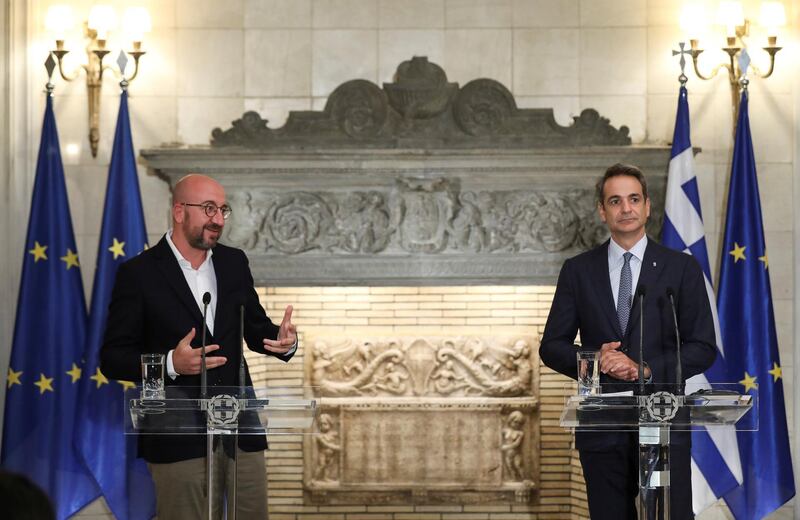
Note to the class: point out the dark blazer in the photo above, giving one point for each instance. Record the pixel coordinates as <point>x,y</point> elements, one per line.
<point>584,302</point>
<point>152,309</point>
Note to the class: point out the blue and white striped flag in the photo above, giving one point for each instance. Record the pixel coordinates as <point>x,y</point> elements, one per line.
<point>716,467</point>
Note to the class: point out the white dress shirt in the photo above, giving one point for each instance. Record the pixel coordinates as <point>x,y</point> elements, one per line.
<point>616,261</point>
<point>201,280</point>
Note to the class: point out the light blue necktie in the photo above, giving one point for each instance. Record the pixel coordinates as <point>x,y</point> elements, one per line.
<point>624,295</point>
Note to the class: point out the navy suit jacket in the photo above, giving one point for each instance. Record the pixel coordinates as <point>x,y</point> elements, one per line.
<point>152,309</point>
<point>584,302</point>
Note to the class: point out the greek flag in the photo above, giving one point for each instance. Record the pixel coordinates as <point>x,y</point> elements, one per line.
<point>716,467</point>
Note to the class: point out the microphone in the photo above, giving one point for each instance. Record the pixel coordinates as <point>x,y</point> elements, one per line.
<point>241,351</point>
<point>679,368</point>
<point>640,292</point>
<point>203,369</point>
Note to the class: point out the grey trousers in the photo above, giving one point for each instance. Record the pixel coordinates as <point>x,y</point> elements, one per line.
<point>181,487</point>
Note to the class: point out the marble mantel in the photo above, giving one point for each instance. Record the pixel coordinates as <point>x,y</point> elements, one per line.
<point>418,182</point>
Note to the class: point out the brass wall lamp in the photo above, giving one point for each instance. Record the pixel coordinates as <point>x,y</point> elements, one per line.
<point>731,16</point>
<point>102,19</point>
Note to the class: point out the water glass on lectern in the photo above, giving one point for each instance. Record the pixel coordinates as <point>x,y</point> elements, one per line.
<point>153,376</point>
<point>588,372</point>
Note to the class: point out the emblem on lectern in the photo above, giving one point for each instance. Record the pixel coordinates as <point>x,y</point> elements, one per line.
<point>223,410</point>
<point>662,406</point>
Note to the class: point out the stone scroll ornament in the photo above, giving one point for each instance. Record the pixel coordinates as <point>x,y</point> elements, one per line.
<point>421,216</point>
<point>411,367</point>
<point>421,106</point>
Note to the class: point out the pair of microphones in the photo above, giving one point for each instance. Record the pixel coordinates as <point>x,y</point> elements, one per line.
<point>640,293</point>
<point>203,366</point>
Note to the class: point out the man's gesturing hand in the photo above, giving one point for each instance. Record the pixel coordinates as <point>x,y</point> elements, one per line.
<point>186,359</point>
<point>287,335</point>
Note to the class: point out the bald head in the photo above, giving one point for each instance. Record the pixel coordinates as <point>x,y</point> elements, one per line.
<point>186,188</point>
<point>192,227</point>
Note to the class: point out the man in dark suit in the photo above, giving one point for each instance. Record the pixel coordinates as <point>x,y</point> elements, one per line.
<point>156,307</point>
<point>595,295</point>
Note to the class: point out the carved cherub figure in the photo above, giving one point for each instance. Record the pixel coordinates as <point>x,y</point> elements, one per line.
<point>512,446</point>
<point>393,379</point>
<point>445,379</point>
<point>328,448</point>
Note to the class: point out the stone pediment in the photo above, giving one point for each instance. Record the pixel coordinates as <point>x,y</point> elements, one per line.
<point>421,109</point>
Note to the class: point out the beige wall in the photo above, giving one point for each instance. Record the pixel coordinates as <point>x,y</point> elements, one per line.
<point>208,61</point>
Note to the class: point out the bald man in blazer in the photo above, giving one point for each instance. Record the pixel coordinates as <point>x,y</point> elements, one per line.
<point>156,307</point>
<point>587,300</point>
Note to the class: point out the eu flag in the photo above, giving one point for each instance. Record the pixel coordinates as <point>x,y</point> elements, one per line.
<point>751,347</point>
<point>110,454</point>
<point>716,468</point>
<point>45,370</point>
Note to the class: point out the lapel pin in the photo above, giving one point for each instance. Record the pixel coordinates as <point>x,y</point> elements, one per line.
<point>654,264</point>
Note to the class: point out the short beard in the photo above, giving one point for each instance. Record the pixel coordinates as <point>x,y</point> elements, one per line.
<point>197,240</point>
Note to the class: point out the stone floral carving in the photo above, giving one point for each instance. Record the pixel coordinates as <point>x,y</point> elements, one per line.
<point>422,367</point>
<point>296,222</point>
<point>362,223</point>
<point>421,109</point>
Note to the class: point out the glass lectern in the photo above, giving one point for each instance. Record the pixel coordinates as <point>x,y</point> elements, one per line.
<point>222,414</point>
<point>718,408</point>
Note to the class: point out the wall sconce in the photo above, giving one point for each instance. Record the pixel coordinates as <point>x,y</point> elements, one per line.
<point>731,16</point>
<point>102,19</point>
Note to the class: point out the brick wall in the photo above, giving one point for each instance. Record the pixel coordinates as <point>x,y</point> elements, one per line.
<point>378,311</point>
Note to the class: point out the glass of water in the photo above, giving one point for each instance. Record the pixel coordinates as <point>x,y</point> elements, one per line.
<point>153,376</point>
<point>588,372</point>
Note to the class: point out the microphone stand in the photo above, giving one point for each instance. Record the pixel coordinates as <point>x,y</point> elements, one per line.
<point>241,352</point>
<point>204,395</point>
<point>678,368</point>
<point>641,292</point>
<point>203,368</point>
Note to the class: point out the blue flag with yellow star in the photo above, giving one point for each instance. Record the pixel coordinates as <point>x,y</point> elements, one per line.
<point>49,333</point>
<point>100,435</point>
<point>747,324</point>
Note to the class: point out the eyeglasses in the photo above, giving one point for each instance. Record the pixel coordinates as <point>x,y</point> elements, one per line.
<point>211,209</point>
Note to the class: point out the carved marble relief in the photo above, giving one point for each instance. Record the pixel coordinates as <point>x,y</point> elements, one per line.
<point>422,367</point>
<point>421,108</point>
<point>391,409</point>
<point>424,216</point>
